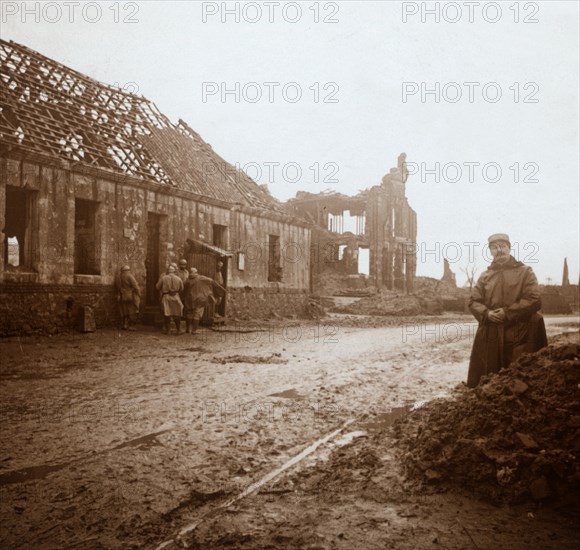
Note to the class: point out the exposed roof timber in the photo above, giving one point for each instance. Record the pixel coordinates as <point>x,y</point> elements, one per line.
<point>50,109</point>
<point>334,198</point>
<point>60,111</point>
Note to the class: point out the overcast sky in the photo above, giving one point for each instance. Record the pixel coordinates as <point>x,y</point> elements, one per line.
<point>361,70</point>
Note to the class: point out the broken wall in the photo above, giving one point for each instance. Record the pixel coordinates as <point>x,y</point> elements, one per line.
<point>388,229</point>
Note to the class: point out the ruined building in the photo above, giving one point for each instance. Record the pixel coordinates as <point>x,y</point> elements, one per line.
<point>93,177</point>
<point>372,233</point>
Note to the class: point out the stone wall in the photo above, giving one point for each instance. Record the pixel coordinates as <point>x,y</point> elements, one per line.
<point>265,303</point>
<point>554,300</point>
<point>122,209</point>
<point>47,309</point>
<point>572,295</point>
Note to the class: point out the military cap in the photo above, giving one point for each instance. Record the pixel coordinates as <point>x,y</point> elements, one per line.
<point>499,237</point>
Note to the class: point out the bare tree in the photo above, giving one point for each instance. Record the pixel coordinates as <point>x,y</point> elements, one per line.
<point>470,271</point>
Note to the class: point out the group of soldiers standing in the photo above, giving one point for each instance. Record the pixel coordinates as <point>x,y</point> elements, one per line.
<point>183,294</point>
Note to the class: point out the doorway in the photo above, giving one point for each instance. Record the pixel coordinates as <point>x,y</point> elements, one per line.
<point>152,270</point>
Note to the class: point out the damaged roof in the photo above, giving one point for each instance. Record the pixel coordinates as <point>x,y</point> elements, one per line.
<point>48,108</point>
<point>333,201</point>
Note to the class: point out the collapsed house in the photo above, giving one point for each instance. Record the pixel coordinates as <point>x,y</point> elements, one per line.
<point>372,234</point>
<point>94,177</point>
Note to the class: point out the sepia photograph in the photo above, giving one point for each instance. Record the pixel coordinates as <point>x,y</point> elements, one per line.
<point>290,275</point>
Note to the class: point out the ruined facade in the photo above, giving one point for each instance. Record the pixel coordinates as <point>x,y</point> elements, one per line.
<point>372,233</point>
<point>93,177</point>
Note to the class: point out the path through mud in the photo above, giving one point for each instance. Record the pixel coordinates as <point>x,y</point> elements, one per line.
<point>124,439</point>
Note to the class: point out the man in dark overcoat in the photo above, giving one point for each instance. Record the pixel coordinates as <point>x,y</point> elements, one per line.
<point>505,301</point>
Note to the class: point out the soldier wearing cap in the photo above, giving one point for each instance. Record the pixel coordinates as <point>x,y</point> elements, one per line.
<point>183,273</point>
<point>170,286</point>
<point>128,296</point>
<point>505,301</point>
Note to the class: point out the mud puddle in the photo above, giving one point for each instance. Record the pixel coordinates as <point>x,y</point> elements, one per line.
<point>143,442</point>
<point>383,420</point>
<point>43,470</point>
<point>33,472</point>
<point>274,358</point>
<point>287,394</point>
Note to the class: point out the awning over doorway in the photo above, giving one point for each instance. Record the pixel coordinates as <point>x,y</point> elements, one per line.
<point>211,248</point>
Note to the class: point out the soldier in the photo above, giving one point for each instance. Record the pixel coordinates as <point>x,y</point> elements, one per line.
<point>172,264</point>
<point>219,279</point>
<point>505,301</point>
<point>183,273</point>
<point>198,290</point>
<point>170,286</point>
<point>129,297</point>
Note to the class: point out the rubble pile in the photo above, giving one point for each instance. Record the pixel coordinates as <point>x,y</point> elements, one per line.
<point>447,296</point>
<point>386,303</point>
<point>330,282</point>
<point>315,308</point>
<point>430,297</point>
<point>333,282</point>
<point>514,438</point>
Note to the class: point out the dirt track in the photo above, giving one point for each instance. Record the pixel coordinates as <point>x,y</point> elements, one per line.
<point>122,439</point>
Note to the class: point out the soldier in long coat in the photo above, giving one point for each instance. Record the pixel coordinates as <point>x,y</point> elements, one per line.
<point>128,296</point>
<point>170,286</point>
<point>219,279</point>
<point>505,301</point>
<point>198,290</point>
<point>183,273</point>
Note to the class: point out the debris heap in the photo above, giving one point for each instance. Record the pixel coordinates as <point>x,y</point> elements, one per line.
<point>514,438</point>
<point>431,297</point>
<point>387,303</point>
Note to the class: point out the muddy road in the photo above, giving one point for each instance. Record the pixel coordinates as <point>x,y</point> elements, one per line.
<point>117,439</point>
